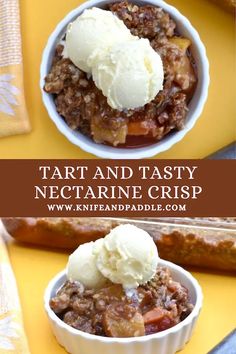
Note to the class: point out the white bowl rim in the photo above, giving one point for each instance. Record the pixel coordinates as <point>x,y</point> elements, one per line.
<point>195,312</point>
<point>104,151</point>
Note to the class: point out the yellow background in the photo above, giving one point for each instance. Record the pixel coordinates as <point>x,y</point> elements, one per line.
<point>214,129</point>
<point>34,268</point>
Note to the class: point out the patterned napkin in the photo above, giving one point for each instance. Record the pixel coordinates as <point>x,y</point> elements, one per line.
<point>13,114</point>
<point>12,335</point>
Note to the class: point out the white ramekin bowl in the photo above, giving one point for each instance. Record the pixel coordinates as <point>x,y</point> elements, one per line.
<point>166,342</point>
<point>195,107</point>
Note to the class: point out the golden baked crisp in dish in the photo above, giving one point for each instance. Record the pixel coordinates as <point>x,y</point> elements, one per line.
<point>215,251</point>
<point>207,247</point>
<point>64,233</point>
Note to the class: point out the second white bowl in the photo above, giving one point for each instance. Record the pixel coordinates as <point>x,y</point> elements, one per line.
<point>166,342</point>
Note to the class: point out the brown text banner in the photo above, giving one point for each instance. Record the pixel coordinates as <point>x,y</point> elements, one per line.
<point>117,188</point>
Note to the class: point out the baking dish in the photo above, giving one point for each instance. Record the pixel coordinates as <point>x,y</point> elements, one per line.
<point>202,242</point>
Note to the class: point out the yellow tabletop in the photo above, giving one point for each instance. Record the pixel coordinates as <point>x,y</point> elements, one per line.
<point>35,267</point>
<point>215,128</point>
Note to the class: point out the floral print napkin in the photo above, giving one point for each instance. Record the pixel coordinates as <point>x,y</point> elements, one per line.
<point>12,336</point>
<point>13,113</point>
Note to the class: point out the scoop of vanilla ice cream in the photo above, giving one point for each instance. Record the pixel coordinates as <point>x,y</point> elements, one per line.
<point>95,28</point>
<point>82,267</point>
<point>130,74</point>
<point>127,256</point>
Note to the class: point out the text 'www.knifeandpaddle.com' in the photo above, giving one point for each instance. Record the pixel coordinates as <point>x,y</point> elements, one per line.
<point>116,207</point>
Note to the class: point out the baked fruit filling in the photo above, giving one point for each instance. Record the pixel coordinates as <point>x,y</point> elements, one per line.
<point>85,108</point>
<point>109,311</point>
